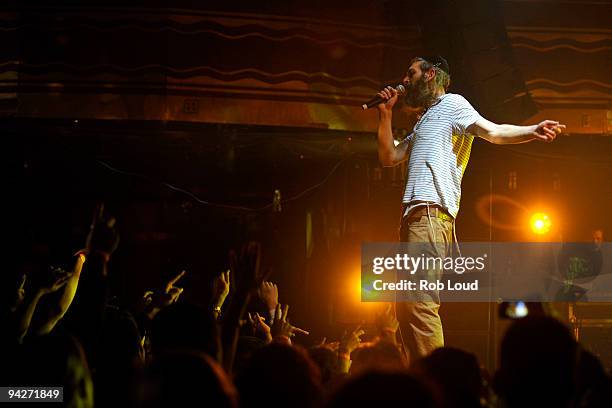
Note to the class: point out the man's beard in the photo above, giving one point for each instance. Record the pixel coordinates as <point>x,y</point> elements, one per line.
<point>420,94</point>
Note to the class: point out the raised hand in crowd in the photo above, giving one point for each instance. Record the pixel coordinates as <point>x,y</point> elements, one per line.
<point>282,330</point>
<point>103,238</point>
<point>172,291</point>
<point>57,306</point>
<point>40,283</point>
<point>350,341</point>
<point>245,270</point>
<point>260,328</point>
<point>387,324</point>
<point>268,294</point>
<point>157,300</point>
<point>86,317</point>
<point>49,281</point>
<point>221,288</point>
<point>332,346</point>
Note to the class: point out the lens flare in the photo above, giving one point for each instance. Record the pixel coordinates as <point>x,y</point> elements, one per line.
<point>540,223</point>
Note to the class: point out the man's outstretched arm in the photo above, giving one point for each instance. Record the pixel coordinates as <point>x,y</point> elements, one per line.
<point>545,131</point>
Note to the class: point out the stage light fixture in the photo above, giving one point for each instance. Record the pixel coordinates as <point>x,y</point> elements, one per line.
<point>540,223</point>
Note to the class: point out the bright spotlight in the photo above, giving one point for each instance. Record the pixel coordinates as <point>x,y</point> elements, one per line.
<point>540,223</point>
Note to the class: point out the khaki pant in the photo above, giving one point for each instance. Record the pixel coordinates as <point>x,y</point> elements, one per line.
<point>420,325</point>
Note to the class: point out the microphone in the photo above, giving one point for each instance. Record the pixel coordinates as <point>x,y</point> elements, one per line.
<point>401,90</point>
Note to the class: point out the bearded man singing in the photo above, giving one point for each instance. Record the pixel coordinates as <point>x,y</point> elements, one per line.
<point>437,152</point>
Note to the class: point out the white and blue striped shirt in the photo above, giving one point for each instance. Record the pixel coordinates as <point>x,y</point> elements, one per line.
<point>439,149</point>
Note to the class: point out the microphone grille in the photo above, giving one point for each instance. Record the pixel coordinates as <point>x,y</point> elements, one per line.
<point>400,89</point>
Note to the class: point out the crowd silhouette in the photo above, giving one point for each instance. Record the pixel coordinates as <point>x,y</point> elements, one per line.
<point>59,329</point>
